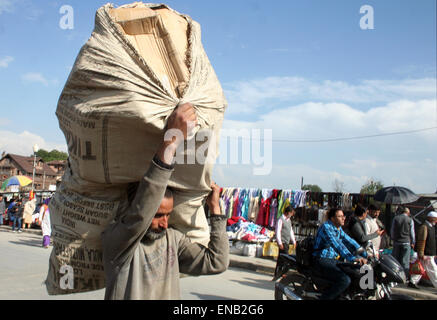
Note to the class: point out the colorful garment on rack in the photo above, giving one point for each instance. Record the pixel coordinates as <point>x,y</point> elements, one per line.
<point>254,204</point>
<point>263,214</point>
<point>235,204</point>
<point>273,209</point>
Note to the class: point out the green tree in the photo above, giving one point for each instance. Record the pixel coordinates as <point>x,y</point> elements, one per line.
<point>52,155</point>
<point>371,187</point>
<point>312,188</point>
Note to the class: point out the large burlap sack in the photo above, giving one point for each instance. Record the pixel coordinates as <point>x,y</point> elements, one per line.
<point>113,111</point>
<point>78,219</point>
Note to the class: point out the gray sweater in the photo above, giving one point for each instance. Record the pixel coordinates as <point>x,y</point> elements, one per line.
<point>402,230</point>
<point>135,269</point>
<point>357,230</point>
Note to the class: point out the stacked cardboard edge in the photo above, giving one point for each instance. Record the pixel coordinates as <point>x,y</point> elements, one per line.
<point>161,37</point>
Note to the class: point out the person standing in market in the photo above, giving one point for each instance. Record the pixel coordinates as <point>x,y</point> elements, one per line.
<point>143,257</point>
<point>385,237</point>
<point>403,236</point>
<point>17,211</point>
<point>284,234</point>
<point>2,209</point>
<point>46,227</point>
<point>10,211</point>
<point>284,231</point>
<point>357,227</point>
<point>372,226</point>
<point>426,243</point>
<point>426,246</point>
<point>29,208</point>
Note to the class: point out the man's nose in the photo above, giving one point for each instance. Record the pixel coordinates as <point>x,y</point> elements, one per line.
<point>163,222</point>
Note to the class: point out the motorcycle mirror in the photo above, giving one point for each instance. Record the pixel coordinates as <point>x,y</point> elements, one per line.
<point>359,251</point>
<point>369,244</point>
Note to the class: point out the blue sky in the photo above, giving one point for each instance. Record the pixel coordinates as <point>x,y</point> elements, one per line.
<point>304,69</point>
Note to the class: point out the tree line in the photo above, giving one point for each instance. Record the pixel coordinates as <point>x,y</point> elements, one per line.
<point>370,187</point>
<point>53,155</point>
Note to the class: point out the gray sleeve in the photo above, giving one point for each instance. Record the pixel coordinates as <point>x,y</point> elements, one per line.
<point>122,235</point>
<point>413,233</point>
<point>196,260</point>
<point>359,235</point>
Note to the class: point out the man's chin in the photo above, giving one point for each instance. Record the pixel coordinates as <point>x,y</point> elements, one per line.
<point>153,235</point>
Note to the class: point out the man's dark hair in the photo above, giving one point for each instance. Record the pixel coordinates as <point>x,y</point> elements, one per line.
<point>402,209</point>
<point>332,212</point>
<point>289,209</point>
<point>360,210</point>
<point>373,207</point>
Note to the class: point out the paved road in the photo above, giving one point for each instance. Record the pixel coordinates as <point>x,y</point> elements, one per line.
<point>24,265</point>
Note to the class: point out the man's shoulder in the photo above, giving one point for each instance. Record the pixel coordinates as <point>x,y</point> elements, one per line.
<point>326,226</point>
<point>423,226</point>
<point>174,234</point>
<point>397,218</point>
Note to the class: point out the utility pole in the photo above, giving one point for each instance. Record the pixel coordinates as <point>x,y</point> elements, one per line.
<point>301,184</point>
<point>35,150</point>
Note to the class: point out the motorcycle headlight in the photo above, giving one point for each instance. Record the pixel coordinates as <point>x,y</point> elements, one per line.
<point>393,284</point>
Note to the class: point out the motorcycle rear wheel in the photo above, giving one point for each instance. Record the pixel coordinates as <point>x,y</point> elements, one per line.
<point>295,282</point>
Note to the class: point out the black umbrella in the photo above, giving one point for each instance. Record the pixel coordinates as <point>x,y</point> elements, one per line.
<point>395,195</point>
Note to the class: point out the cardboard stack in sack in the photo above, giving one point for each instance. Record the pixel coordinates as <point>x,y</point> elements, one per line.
<point>141,61</point>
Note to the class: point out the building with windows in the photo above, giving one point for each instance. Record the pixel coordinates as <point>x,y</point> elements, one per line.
<point>46,175</point>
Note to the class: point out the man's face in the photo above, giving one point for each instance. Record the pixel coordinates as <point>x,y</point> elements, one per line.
<point>290,214</point>
<point>338,219</point>
<point>374,213</point>
<point>159,223</point>
<point>433,221</point>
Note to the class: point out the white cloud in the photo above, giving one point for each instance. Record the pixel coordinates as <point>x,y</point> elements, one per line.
<point>417,175</point>
<point>404,160</point>
<point>5,6</point>
<point>4,62</point>
<point>336,120</point>
<point>35,78</point>
<point>22,143</point>
<point>248,96</point>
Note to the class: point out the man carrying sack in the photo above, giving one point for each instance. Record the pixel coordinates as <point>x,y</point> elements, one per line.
<point>143,258</point>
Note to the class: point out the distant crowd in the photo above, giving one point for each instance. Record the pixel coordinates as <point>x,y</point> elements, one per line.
<point>26,213</point>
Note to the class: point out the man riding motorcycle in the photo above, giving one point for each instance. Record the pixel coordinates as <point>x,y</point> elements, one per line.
<point>331,245</point>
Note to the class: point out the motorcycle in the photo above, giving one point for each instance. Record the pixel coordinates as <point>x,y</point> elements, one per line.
<point>373,281</point>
